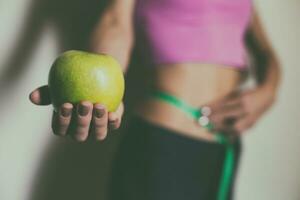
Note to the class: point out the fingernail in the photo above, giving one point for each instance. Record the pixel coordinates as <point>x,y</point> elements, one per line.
<point>83,110</point>
<point>99,113</point>
<point>66,112</point>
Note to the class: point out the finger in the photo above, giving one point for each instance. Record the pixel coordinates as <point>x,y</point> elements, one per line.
<point>228,114</point>
<point>115,118</point>
<point>243,125</point>
<point>40,96</point>
<point>114,121</point>
<point>225,104</point>
<point>232,102</point>
<point>100,122</point>
<point>62,119</point>
<point>83,120</point>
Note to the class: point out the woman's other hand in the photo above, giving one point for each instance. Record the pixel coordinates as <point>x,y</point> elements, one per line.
<point>79,121</point>
<point>238,112</point>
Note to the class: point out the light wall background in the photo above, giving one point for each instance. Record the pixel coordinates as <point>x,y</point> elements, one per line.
<point>270,165</point>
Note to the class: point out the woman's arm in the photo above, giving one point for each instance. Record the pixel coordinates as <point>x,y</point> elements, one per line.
<point>114,33</point>
<point>113,36</point>
<point>266,64</point>
<point>240,111</point>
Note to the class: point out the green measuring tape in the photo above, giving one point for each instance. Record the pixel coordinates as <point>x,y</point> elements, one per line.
<point>196,114</point>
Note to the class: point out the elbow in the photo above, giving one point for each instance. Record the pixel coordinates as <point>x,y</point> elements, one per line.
<point>115,19</point>
<point>112,31</point>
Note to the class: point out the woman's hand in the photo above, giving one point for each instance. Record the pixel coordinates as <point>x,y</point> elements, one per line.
<point>79,121</point>
<point>240,111</point>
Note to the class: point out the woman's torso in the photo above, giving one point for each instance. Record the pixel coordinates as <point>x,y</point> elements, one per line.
<point>196,84</point>
<point>195,53</point>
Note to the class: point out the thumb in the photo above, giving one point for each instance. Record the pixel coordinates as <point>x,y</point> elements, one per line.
<point>117,115</point>
<point>40,96</point>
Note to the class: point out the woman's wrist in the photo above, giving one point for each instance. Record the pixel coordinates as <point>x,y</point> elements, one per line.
<point>269,91</point>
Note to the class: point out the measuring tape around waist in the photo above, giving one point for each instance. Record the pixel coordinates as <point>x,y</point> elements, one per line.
<point>196,114</point>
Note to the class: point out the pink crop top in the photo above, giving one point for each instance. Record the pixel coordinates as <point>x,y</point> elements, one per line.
<point>206,31</point>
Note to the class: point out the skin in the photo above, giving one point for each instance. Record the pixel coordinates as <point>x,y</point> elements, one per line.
<point>234,112</point>
<point>245,108</point>
<point>79,121</point>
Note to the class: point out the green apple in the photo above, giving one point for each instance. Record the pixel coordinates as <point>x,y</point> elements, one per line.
<point>77,76</point>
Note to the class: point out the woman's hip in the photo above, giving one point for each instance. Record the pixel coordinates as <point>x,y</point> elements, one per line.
<point>154,163</point>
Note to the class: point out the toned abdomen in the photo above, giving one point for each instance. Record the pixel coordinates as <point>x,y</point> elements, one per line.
<point>196,84</point>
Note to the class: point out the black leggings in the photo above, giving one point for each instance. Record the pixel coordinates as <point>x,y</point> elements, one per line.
<point>154,163</point>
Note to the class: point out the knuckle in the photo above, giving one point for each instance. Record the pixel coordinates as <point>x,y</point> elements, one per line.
<point>83,123</point>
<point>63,122</point>
<point>81,132</point>
<point>61,131</point>
<point>100,122</point>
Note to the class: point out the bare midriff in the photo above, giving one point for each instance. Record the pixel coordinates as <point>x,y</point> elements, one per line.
<point>197,85</point>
